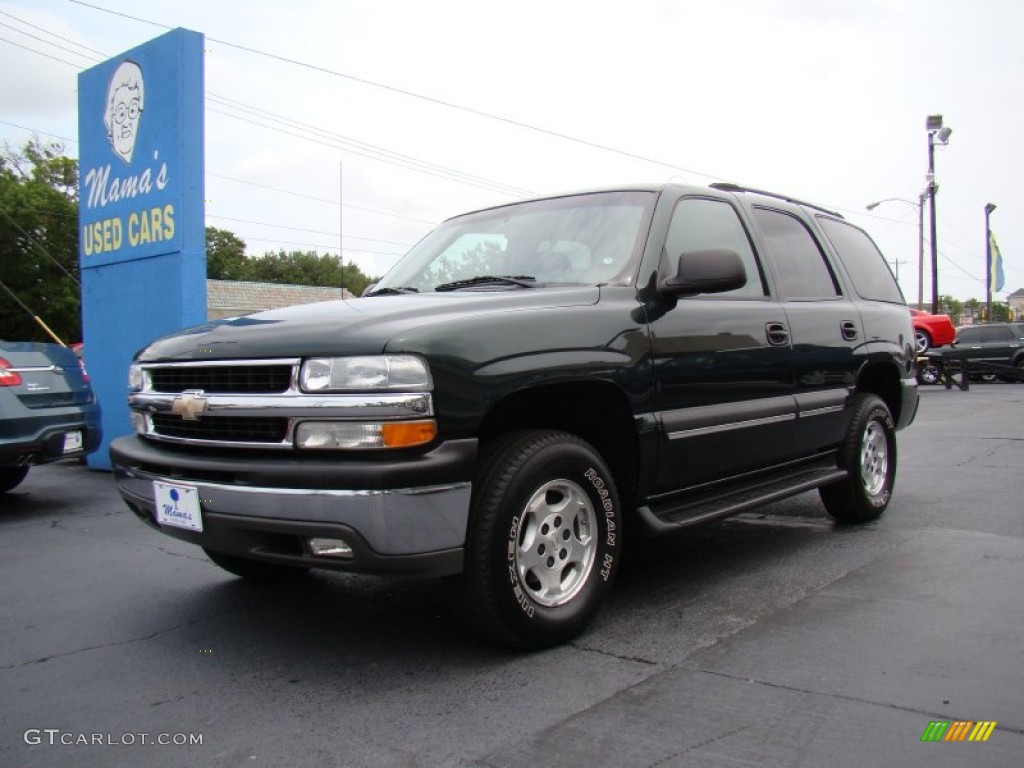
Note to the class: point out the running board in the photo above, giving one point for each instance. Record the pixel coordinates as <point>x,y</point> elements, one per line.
<point>682,513</point>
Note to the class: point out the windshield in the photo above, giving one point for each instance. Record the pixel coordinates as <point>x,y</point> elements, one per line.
<point>578,240</point>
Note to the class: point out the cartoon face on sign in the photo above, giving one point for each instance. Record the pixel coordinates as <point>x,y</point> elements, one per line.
<point>123,112</point>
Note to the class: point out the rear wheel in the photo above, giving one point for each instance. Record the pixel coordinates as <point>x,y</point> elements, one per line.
<point>544,539</point>
<point>868,454</point>
<point>256,570</point>
<point>11,477</point>
<point>928,373</point>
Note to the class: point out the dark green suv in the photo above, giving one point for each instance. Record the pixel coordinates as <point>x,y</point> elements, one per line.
<point>991,350</point>
<point>527,388</point>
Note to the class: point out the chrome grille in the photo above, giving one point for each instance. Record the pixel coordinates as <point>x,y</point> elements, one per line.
<point>235,379</point>
<point>230,429</point>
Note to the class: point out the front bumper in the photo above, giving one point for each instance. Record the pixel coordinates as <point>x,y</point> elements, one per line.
<point>399,516</point>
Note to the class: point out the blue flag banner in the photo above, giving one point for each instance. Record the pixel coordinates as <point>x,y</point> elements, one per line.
<point>998,276</point>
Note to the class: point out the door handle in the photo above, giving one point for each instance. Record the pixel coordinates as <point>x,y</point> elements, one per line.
<point>849,330</point>
<point>778,335</point>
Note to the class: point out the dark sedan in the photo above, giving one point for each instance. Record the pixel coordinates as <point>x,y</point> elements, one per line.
<point>47,408</point>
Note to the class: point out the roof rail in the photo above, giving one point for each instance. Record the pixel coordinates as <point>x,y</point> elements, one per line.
<point>726,186</point>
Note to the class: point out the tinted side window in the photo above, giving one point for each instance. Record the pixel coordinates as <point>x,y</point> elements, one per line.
<point>803,272</point>
<point>863,261</point>
<point>986,334</point>
<point>698,224</point>
<point>999,333</point>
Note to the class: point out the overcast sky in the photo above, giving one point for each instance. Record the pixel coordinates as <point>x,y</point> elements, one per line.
<point>821,100</point>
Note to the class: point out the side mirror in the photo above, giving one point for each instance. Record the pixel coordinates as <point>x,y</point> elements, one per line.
<point>713,270</point>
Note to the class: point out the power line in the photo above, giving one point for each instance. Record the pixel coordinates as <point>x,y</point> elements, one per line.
<point>335,144</point>
<point>318,199</point>
<point>360,147</point>
<point>35,130</point>
<point>46,42</point>
<point>34,244</point>
<point>319,245</point>
<point>336,141</point>
<point>312,231</point>
<point>52,34</point>
<point>354,146</point>
<point>33,50</point>
<point>419,96</point>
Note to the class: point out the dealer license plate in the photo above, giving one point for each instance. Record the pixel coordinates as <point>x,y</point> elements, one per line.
<point>177,505</point>
<point>72,441</point>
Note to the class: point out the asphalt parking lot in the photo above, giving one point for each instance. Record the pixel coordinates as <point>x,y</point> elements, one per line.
<point>773,639</point>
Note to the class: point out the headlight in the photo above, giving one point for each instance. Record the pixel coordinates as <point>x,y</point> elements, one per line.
<point>405,373</point>
<point>135,378</point>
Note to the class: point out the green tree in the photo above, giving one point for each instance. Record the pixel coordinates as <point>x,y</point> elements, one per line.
<point>39,242</point>
<point>225,255</point>
<point>307,268</point>
<point>952,307</point>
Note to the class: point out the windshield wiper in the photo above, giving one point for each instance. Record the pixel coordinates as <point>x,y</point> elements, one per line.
<point>523,281</point>
<point>388,291</point>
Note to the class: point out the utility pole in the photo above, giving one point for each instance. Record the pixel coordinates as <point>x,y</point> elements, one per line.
<point>341,224</point>
<point>935,132</point>
<point>920,248</point>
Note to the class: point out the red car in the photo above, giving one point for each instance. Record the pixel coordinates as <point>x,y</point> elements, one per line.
<point>931,330</point>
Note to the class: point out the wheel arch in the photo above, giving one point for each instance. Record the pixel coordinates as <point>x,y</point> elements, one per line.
<point>882,380</point>
<point>595,411</point>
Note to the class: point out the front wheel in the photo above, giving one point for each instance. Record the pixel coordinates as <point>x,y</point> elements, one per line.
<point>544,539</point>
<point>868,454</point>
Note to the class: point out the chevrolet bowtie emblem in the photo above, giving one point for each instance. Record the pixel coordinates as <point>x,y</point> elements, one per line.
<point>189,405</point>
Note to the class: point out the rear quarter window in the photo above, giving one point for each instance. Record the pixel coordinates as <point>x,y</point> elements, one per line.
<point>864,263</point>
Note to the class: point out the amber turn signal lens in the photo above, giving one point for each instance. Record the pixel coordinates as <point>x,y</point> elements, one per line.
<point>402,434</point>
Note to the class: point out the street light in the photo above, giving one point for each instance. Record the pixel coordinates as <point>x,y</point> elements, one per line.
<point>920,238</point>
<point>989,207</point>
<point>936,132</point>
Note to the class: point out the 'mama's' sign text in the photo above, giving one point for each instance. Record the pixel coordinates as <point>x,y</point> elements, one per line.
<point>142,226</point>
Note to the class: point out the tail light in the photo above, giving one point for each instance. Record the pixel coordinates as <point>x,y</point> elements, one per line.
<point>85,373</point>
<point>8,378</point>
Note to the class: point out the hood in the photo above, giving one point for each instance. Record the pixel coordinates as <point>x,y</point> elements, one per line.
<point>354,327</point>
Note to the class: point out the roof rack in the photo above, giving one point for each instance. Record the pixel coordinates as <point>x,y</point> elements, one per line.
<point>726,186</point>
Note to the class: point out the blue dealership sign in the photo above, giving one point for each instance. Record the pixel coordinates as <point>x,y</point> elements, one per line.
<point>141,209</point>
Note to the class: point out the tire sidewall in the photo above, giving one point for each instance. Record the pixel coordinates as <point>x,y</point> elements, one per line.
<point>565,459</point>
<point>877,412</point>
